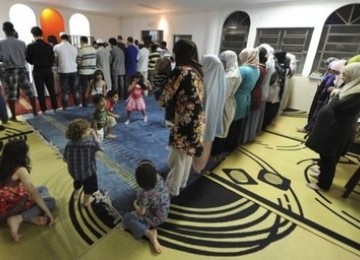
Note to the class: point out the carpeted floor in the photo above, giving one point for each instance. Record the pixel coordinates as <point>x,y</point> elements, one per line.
<point>254,203</point>
<point>278,184</point>
<point>76,229</point>
<point>23,105</point>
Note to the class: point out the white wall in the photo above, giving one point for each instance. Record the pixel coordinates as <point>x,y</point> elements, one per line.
<point>101,26</point>
<point>206,30</point>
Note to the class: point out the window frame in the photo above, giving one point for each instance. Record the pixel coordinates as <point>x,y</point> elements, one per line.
<point>281,35</point>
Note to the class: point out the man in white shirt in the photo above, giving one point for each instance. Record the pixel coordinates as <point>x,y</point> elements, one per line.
<point>143,60</point>
<point>65,55</point>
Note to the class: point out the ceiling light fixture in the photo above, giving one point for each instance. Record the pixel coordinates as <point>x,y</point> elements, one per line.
<point>149,7</point>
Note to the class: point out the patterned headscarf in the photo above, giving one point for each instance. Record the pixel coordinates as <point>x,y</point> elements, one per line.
<point>230,58</point>
<point>249,56</point>
<point>352,80</point>
<point>186,54</point>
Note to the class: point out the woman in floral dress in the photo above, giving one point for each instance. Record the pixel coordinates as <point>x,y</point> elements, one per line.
<point>186,94</point>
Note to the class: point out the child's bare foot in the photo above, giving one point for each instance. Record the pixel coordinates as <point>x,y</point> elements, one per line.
<point>110,136</point>
<point>88,201</point>
<point>39,221</point>
<point>14,223</point>
<point>76,194</point>
<point>151,234</point>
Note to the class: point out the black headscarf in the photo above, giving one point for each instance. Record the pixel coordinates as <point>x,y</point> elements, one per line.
<point>262,55</point>
<point>186,54</point>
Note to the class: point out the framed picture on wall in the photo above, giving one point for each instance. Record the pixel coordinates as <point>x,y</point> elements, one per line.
<point>182,36</point>
<point>155,36</point>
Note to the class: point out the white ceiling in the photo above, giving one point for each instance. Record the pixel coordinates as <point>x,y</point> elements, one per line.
<point>128,8</point>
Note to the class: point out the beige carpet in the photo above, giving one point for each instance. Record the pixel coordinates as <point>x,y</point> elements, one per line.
<point>273,170</point>
<point>270,172</point>
<point>300,245</point>
<point>61,241</point>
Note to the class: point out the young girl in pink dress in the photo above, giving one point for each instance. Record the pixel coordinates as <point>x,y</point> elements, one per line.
<point>135,101</point>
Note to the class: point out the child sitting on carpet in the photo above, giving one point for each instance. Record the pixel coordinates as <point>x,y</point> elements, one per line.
<point>79,154</point>
<point>103,120</point>
<point>20,201</point>
<point>112,98</point>
<point>151,205</point>
<point>135,101</point>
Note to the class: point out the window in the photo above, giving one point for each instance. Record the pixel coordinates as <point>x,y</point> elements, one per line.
<point>52,23</point>
<point>156,36</point>
<point>235,32</point>
<point>340,37</point>
<point>181,36</point>
<point>22,26</point>
<point>79,26</point>
<point>293,40</point>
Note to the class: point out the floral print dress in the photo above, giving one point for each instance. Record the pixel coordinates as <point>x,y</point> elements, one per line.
<point>157,203</point>
<point>13,198</point>
<point>186,92</point>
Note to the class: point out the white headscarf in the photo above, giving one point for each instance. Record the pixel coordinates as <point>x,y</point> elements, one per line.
<point>337,65</point>
<point>352,80</point>
<point>214,84</point>
<point>230,58</point>
<point>270,63</point>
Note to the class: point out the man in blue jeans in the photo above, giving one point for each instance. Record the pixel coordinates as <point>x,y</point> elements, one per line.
<point>65,55</point>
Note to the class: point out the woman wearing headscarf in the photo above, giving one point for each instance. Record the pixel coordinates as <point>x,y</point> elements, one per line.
<point>326,86</point>
<point>214,84</point>
<point>334,129</point>
<point>270,69</point>
<point>249,72</point>
<point>253,120</point>
<point>232,83</point>
<point>186,93</point>
<point>327,77</point>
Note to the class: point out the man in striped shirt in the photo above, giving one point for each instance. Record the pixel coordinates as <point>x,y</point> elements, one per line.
<point>86,60</point>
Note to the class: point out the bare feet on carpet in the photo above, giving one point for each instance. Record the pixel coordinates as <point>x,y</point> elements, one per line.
<point>39,221</point>
<point>88,200</point>
<point>151,234</point>
<point>301,130</point>
<point>14,223</point>
<point>76,194</point>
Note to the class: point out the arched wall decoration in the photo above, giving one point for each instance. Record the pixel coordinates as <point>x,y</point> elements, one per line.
<point>79,26</point>
<point>340,36</point>
<point>22,26</point>
<point>52,23</point>
<point>235,32</point>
